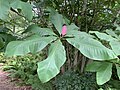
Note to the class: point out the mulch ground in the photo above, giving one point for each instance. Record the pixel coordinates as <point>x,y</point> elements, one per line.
<point>6,84</point>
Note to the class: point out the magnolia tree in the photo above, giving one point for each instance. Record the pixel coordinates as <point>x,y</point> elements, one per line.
<point>104,56</point>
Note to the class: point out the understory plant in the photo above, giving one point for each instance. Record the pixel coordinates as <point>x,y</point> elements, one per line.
<point>72,80</point>
<point>23,71</point>
<point>51,37</point>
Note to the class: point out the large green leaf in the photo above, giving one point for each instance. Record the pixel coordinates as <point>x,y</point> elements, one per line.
<point>72,27</point>
<point>92,48</point>
<point>94,66</point>
<point>25,7</point>
<point>15,4</point>
<point>103,36</point>
<point>118,70</point>
<point>4,8</point>
<point>40,31</point>
<point>115,47</point>
<point>26,46</point>
<point>104,73</point>
<point>73,32</point>
<point>57,20</point>
<point>50,67</point>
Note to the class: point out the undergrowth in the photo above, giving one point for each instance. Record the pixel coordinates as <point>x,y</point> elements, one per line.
<point>71,80</point>
<point>23,70</point>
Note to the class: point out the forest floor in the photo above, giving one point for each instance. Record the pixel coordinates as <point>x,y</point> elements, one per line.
<point>7,84</point>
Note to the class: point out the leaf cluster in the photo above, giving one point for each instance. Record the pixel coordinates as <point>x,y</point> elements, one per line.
<point>71,80</point>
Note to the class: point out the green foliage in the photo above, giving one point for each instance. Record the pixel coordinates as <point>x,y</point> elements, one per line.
<point>1,43</point>
<point>74,81</point>
<point>55,18</point>
<point>5,37</point>
<point>32,45</point>
<point>92,48</point>
<point>25,69</point>
<point>103,71</point>
<point>115,47</point>
<point>5,7</point>
<point>94,66</point>
<point>114,84</point>
<point>50,67</point>
<point>110,37</point>
<point>118,70</point>
<point>37,30</point>
<point>86,14</point>
<point>111,85</point>
<point>104,36</point>
<point>111,33</point>
<point>17,4</point>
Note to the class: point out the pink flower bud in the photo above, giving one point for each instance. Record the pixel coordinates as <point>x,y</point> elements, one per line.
<point>64,30</point>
